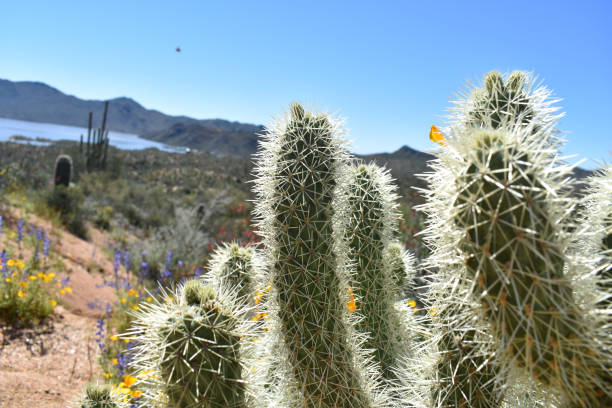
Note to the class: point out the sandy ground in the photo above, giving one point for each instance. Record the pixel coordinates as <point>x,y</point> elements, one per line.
<point>49,366</point>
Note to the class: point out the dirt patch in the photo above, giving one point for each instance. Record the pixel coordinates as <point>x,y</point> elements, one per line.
<point>50,365</point>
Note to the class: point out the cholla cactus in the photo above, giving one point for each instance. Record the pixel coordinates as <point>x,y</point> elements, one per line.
<point>452,365</point>
<point>372,216</point>
<point>102,396</point>
<point>300,165</point>
<point>515,102</point>
<point>195,347</point>
<point>501,209</point>
<point>234,268</point>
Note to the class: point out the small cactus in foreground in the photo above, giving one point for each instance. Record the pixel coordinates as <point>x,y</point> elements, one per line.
<point>102,396</point>
<point>235,268</point>
<point>192,341</point>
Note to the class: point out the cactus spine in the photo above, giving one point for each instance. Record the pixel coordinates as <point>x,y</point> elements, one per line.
<point>299,167</point>
<point>372,216</point>
<point>193,342</point>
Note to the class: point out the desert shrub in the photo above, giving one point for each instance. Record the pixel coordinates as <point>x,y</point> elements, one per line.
<point>67,204</point>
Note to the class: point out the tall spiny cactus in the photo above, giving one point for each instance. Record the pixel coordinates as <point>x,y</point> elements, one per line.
<point>299,167</point>
<point>196,346</point>
<point>459,336</point>
<point>102,396</point>
<point>506,219</point>
<point>372,216</point>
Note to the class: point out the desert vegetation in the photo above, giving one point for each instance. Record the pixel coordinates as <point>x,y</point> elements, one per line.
<point>311,278</point>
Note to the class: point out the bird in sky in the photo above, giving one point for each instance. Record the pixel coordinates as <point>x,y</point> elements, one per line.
<point>178,49</point>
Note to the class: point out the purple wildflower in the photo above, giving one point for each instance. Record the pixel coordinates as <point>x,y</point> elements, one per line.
<point>122,361</point>
<point>167,273</point>
<point>20,230</point>
<point>197,272</point>
<point>126,261</point>
<point>46,246</point>
<point>100,335</point>
<point>117,262</point>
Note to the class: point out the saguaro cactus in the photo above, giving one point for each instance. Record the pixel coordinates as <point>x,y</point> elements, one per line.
<point>63,170</point>
<point>192,341</point>
<point>299,166</point>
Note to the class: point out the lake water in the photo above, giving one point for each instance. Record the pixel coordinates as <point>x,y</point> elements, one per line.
<point>33,130</point>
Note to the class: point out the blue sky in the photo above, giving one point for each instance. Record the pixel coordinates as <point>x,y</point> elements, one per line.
<point>388,67</point>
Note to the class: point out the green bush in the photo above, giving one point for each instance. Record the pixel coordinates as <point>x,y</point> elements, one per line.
<point>67,204</point>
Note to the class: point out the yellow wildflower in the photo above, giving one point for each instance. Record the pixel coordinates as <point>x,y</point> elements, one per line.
<point>351,304</point>
<point>128,381</point>
<point>32,278</point>
<point>114,338</point>
<point>136,394</point>
<point>149,299</point>
<point>436,136</point>
<point>412,303</point>
<point>51,275</point>
<point>21,293</point>
<point>131,292</point>
<point>41,275</point>
<point>68,290</point>
<point>135,307</point>
<point>23,284</point>
<point>107,375</point>
<point>8,279</point>
<point>53,303</point>
<point>20,264</point>
<point>433,311</point>
<point>115,362</point>
<point>123,300</point>
<point>62,292</point>
<point>126,340</point>
<point>10,262</point>
<point>13,235</point>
